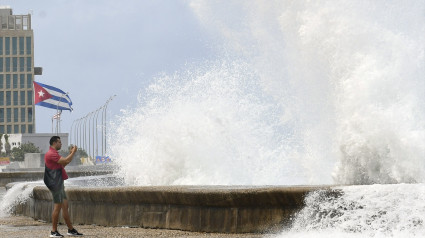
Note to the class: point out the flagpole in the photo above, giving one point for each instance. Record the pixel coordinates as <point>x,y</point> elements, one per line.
<point>57,112</point>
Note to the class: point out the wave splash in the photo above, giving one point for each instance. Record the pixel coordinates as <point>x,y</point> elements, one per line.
<point>311,93</point>
<point>360,211</point>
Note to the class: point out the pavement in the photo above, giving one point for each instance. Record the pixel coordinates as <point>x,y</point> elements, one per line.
<point>19,226</point>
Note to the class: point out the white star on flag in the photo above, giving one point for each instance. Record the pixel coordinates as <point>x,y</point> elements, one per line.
<point>41,94</point>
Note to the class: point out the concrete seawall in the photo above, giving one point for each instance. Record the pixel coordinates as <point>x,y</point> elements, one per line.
<point>227,209</point>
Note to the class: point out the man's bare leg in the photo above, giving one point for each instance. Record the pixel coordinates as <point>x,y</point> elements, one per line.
<point>55,216</point>
<point>65,214</point>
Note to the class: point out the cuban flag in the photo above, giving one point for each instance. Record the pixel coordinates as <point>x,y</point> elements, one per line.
<point>51,97</point>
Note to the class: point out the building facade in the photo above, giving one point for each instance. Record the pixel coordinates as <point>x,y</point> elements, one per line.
<point>17,115</point>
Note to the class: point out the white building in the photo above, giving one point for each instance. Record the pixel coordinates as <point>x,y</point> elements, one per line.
<point>40,140</point>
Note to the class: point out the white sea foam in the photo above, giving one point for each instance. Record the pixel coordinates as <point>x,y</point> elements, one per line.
<point>203,126</point>
<point>363,211</point>
<point>305,92</point>
<point>17,194</point>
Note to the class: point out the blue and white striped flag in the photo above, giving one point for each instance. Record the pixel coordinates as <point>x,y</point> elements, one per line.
<point>51,97</point>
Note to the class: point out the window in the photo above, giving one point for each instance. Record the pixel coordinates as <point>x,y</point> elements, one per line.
<point>8,98</point>
<point>29,115</point>
<point>21,64</point>
<point>29,128</point>
<point>14,45</point>
<point>29,64</point>
<point>23,129</point>
<point>15,64</point>
<point>11,20</point>
<point>29,80</point>
<point>7,45</point>
<point>9,129</point>
<point>21,46</point>
<point>28,45</point>
<point>1,98</point>
<point>29,98</point>
<point>1,45</point>
<point>1,64</point>
<point>15,98</point>
<point>15,115</point>
<point>7,80</point>
<point>2,129</point>
<point>2,115</point>
<point>1,80</point>
<point>7,64</point>
<point>23,114</point>
<point>24,23</point>
<point>22,98</point>
<point>22,81</point>
<point>16,129</point>
<point>9,114</point>
<point>15,81</point>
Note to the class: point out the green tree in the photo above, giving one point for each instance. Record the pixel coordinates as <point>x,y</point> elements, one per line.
<point>18,153</point>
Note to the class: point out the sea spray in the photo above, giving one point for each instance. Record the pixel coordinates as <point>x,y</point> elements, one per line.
<point>350,75</point>
<point>310,92</point>
<point>19,193</point>
<point>207,125</point>
<point>360,211</point>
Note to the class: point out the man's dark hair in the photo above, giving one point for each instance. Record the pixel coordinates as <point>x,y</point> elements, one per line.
<point>54,139</point>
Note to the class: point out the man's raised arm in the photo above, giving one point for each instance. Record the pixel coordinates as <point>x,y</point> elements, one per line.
<point>65,161</point>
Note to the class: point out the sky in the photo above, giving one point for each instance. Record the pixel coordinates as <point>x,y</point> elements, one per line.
<point>96,49</point>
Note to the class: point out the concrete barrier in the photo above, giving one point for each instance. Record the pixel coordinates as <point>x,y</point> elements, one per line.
<point>226,209</point>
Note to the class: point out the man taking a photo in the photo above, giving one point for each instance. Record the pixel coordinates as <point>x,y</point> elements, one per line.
<point>54,176</point>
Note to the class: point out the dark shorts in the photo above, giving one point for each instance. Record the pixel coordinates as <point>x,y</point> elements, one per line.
<point>59,196</point>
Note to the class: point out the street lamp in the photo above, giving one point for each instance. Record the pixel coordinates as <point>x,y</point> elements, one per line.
<point>104,123</point>
<point>94,129</point>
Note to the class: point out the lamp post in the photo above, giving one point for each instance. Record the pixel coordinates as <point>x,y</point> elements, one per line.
<point>94,128</point>
<point>81,132</point>
<point>89,131</point>
<point>104,123</point>
<point>85,132</point>
<point>76,132</point>
<point>70,132</point>
<point>97,133</point>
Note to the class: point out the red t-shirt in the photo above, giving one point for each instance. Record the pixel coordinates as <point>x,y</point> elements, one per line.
<point>51,159</point>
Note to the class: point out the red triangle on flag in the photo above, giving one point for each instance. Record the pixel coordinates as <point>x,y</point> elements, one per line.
<point>40,93</point>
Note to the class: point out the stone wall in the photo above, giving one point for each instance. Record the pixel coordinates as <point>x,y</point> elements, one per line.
<point>192,208</point>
